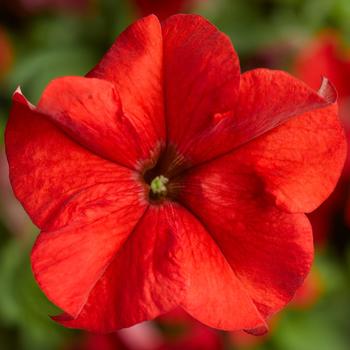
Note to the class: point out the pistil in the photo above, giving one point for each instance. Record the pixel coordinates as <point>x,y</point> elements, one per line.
<point>158,186</point>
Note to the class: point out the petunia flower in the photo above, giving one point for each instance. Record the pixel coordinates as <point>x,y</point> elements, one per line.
<point>161,8</point>
<point>165,178</point>
<point>198,338</point>
<point>144,336</point>
<point>331,58</point>
<point>186,334</point>
<point>181,331</point>
<point>310,293</point>
<point>6,53</point>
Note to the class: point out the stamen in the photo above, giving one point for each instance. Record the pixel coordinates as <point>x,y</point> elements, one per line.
<point>158,185</point>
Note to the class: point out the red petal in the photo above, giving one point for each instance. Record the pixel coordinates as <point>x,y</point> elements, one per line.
<point>214,294</point>
<point>169,259</point>
<point>201,78</point>
<point>90,111</point>
<point>47,169</point>
<point>134,66</point>
<point>142,282</point>
<point>269,250</point>
<point>86,205</point>
<point>299,162</point>
<point>68,262</point>
<point>267,99</point>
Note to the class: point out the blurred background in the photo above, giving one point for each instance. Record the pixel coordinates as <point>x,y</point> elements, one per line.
<point>44,39</point>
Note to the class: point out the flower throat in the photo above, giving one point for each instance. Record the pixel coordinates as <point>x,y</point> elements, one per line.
<point>162,175</point>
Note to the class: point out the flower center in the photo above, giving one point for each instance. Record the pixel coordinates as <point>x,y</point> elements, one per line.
<point>162,175</point>
<point>158,186</point>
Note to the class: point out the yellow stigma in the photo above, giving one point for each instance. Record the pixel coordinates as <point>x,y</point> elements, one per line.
<point>158,185</point>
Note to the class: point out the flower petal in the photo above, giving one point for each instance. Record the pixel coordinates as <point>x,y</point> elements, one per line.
<point>267,99</point>
<point>89,110</point>
<point>214,294</point>
<point>134,64</point>
<point>142,281</point>
<point>269,250</point>
<point>169,260</point>
<point>47,169</point>
<point>301,161</point>
<point>68,262</point>
<point>201,71</point>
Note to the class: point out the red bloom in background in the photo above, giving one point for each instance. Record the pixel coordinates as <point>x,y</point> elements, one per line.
<point>6,53</point>
<point>327,56</point>
<point>161,8</point>
<point>92,341</point>
<point>311,291</point>
<point>165,178</point>
<point>181,331</point>
<point>186,334</point>
<point>144,336</point>
<point>198,338</point>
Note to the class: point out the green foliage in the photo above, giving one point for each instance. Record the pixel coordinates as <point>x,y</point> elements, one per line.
<point>326,325</point>
<point>23,306</point>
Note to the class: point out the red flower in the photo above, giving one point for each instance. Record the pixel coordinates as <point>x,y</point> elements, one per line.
<point>310,292</point>
<point>183,332</point>
<point>161,8</point>
<point>328,58</point>
<point>92,341</point>
<point>198,338</point>
<point>164,179</point>
<point>6,54</point>
<point>144,336</point>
